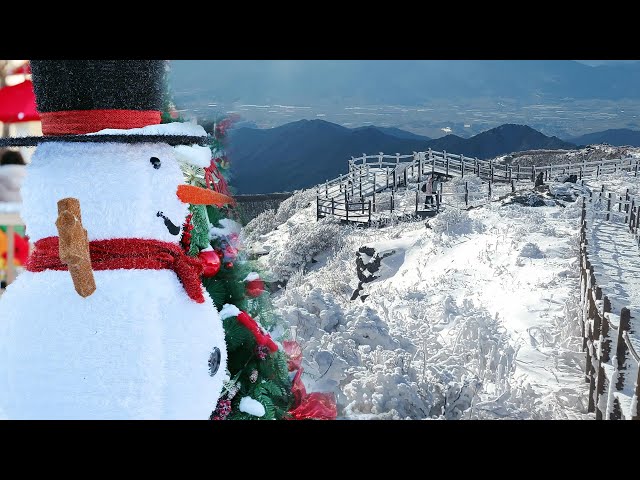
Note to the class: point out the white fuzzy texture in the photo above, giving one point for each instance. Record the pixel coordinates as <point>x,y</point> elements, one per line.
<point>252,276</point>
<point>120,192</point>
<point>194,155</point>
<point>228,227</point>
<point>229,310</point>
<point>252,407</point>
<point>174,128</point>
<point>137,348</point>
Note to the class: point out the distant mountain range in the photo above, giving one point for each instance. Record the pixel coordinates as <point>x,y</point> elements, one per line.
<point>307,152</point>
<point>396,132</point>
<point>400,82</point>
<point>617,137</point>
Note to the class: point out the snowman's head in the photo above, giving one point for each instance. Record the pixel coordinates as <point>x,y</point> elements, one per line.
<point>125,190</point>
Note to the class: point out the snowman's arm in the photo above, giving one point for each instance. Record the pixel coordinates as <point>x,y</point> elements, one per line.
<point>74,246</point>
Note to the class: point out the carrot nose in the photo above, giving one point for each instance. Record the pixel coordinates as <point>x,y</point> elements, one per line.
<point>202,196</point>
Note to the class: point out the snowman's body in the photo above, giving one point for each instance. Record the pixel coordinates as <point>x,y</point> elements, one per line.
<point>139,346</point>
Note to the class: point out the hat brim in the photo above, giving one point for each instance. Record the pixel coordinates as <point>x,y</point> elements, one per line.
<point>172,140</point>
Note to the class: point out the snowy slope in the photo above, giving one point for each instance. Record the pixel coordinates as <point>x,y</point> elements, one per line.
<point>474,316</point>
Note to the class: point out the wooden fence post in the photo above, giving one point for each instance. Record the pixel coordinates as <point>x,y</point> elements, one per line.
<point>608,205</point>
<point>346,206</point>
<point>636,415</point>
<point>317,208</point>
<point>432,157</point>
<point>518,174</point>
<point>513,186</point>
<point>622,350</point>
<point>466,193</point>
<point>420,155</point>
<point>490,188</point>
<point>369,212</point>
<point>333,206</point>
<point>605,340</point>
<point>417,194</point>
<point>446,162</point>
<point>392,200</point>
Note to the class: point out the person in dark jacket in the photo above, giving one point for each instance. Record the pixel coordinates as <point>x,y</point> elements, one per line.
<point>427,189</point>
<point>540,179</point>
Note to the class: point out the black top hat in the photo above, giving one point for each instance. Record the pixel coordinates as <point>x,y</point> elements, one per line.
<point>80,97</point>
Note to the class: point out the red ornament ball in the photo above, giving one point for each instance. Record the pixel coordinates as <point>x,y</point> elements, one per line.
<point>254,288</point>
<point>228,265</point>
<point>211,263</point>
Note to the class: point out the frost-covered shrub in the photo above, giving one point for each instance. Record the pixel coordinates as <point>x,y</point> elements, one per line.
<point>454,222</point>
<point>298,201</point>
<point>530,250</point>
<point>260,225</point>
<point>305,241</point>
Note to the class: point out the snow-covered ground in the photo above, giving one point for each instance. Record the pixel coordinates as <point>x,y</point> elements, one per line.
<point>472,316</point>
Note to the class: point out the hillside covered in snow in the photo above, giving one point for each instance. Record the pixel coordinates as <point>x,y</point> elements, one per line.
<point>472,314</point>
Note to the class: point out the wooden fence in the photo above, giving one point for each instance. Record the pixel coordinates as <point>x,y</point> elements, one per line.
<point>611,357</point>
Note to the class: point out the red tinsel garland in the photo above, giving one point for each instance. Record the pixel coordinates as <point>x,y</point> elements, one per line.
<point>186,233</point>
<point>126,253</point>
<point>261,338</point>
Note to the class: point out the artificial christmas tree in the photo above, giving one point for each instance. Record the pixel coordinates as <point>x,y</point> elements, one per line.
<point>258,385</point>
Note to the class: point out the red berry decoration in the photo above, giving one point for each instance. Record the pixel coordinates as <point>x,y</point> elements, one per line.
<point>230,252</point>
<point>254,288</point>
<point>211,263</point>
<point>228,265</point>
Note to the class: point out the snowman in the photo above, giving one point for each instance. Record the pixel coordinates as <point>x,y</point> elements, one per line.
<point>126,331</point>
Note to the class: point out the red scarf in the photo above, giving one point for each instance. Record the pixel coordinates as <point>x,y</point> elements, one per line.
<point>129,254</point>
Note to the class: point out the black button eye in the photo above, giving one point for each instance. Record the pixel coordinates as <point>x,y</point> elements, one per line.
<point>155,161</point>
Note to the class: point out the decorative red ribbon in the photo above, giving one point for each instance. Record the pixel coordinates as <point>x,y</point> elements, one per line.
<point>307,406</point>
<point>311,406</point>
<point>211,173</point>
<point>79,122</point>
<point>129,254</point>
<point>261,338</point>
